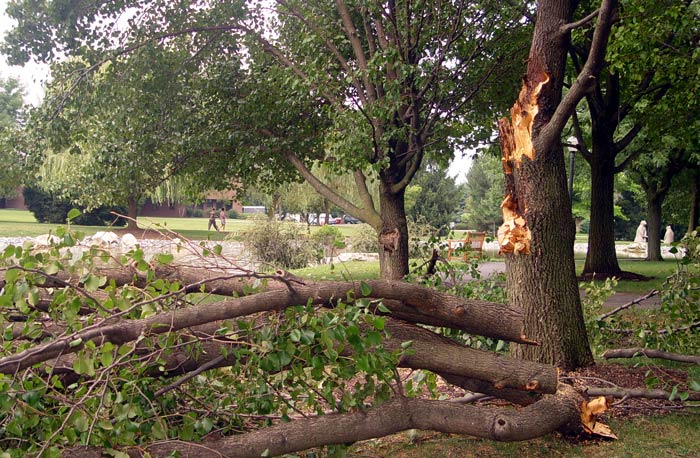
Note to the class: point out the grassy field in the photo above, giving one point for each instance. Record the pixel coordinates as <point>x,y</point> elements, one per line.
<point>20,223</point>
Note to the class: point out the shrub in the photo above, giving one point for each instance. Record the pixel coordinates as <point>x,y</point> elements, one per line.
<point>365,240</point>
<point>422,237</point>
<point>278,244</point>
<point>191,212</point>
<point>326,240</point>
<point>232,214</point>
<point>49,208</point>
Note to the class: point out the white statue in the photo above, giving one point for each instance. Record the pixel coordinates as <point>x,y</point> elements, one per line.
<point>641,235</point>
<point>668,236</point>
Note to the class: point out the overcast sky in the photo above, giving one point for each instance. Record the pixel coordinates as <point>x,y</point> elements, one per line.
<point>31,75</point>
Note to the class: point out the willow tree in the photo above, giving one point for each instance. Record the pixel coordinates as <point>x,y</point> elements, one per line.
<point>115,136</point>
<point>538,231</point>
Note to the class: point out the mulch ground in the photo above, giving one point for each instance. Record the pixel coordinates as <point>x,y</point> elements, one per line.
<point>609,375</point>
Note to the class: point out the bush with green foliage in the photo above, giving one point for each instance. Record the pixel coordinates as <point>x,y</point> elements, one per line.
<point>423,237</point>
<point>49,208</point>
<point>278,244</point>
<point>232,214</point>
<point>191,212</point>
<point>364,240</point>
<point>327,240</point>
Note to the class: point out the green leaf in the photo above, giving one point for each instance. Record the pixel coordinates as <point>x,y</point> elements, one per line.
<point>365,289</point>
<point>165,258</point>
<point>383,308</point>
<point>694,385</point>
<point>73,213</point>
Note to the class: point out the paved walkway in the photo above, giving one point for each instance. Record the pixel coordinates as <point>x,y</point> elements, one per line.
<point>488,269</point>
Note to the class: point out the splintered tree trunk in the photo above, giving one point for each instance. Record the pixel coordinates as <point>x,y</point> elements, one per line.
<point>601,258</point>
<point>538,231</point>
<point>393,236</point>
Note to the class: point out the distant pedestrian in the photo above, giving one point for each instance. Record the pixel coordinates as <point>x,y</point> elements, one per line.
<point>669,235</point>
<point>212,220</point>
<point>222,217</point>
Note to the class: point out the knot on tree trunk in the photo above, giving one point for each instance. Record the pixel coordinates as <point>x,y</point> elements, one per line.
<point>389,239</point>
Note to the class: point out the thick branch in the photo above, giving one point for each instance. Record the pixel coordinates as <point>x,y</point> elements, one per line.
<point>638,393</point>
<point>649,353</point>
<point>550,414</point>
<point>369,215</point>
<point>477,317</point>
<point>566,28</point>
<point>588,74</point>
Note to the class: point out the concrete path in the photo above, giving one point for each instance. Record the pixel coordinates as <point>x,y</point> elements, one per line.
<point>488,269</point>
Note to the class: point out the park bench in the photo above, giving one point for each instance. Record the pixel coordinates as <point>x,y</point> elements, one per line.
<point>469,247</point>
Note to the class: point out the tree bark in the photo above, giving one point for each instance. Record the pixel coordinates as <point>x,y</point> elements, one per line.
<point>393,236</point>
<point>542,276</point>
<point>554,412</point>
<point>694,216</point>
<point>132,213</point>
<point>650,353</point>
<point>601,258</point>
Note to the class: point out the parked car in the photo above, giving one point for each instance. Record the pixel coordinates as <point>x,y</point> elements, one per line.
<point>348,219</point>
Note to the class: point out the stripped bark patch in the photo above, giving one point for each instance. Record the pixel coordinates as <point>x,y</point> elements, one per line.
<point>516,142</point>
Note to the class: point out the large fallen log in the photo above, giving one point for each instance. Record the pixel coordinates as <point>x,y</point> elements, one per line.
<point>551,413</point>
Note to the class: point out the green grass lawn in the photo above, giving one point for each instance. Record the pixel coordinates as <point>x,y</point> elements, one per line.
<point>21,223</point>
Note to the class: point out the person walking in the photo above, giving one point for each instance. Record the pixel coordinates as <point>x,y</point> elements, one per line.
<point>212,220</point>
<point>222,217</point>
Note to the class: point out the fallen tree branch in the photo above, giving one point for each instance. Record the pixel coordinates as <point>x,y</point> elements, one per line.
<point>621,392</point>
<point>650,353</point>
<point>551,413</point>
<point>638,300</point>
<point>473,316</point>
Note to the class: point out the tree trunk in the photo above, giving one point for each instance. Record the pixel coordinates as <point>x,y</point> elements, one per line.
<point>133,213</point>
<point>601,258</point>
<point>393,236</point>
<point>541,277</point>
<point>694,217</point>
<point>544,282</point>
<point>654,201</point>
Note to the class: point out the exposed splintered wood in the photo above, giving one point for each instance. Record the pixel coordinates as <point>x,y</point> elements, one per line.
<point>516,143</point>
<point>513,236</point>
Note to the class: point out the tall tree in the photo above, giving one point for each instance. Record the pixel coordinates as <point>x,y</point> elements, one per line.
<point>394,78</point>
<point>439,198</point>
<point>11,147</point>
<point>645,65</point>
<point>538,231</point>
<point>484,193</point>
<point>119,136</point>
